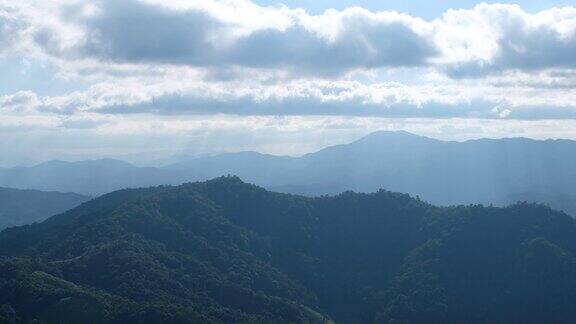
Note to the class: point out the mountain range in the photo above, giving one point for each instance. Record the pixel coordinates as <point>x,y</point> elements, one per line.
<point>488,171</point>
<point>225,251</point>
<point>20,207</point>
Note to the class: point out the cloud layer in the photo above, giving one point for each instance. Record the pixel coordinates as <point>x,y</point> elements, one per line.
<point>192,64</point>
<point>516,40</point>
<point>221,34</point>
<point>139,32</point>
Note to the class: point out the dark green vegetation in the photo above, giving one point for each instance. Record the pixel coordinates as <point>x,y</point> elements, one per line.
<point>226,251</point>
<point>19,207</point>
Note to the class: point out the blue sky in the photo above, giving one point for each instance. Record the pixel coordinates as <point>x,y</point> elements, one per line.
<point>422,8</point>
<point>29,75</point>
<point>144,80</point>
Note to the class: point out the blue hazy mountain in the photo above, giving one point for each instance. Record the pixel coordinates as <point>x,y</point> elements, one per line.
<point>91,177</point>
<point>498,171</point>
<point>20,207</point>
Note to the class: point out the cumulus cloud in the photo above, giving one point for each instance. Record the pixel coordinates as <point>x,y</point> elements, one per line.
<point>218,74</point>
<point>363,42</point>
<point>12,26</point>
<point>233,57</point>
<point>516,40</point>
<point>222,35</point>
<point>141,32</point>
<point>133,31</point>
<point>22,101</point>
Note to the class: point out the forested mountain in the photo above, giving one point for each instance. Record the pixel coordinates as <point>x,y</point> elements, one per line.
<point>227,251</point>
<point>19,207</point>
<point>478,171</point>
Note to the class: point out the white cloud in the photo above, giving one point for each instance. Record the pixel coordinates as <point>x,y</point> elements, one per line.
<point>12,26</point>
<point>161,67</point>
<point>21,101</point>
<point>211,34</point>
<point>441,99</point>
<point>496,38</point>
<point>287,98</point>
<point>137,32</point>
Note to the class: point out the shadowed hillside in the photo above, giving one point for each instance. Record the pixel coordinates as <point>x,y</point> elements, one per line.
<point>20,207</point>
<point>227,251</point>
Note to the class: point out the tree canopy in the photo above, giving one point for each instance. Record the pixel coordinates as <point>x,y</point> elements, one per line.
<point>227,251</point>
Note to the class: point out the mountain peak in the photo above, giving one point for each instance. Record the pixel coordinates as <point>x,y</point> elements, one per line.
<point>394,136</point>
<point>392,133</point>
<point>227,179</point>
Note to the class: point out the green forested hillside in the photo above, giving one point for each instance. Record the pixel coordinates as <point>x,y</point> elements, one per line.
<point>227,251</point>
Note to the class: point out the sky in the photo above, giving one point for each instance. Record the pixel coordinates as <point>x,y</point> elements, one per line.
<point>421,8</point>
<point>148,81</point>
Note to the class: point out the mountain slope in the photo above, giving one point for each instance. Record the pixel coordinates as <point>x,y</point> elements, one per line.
<point>168,250</point>
<point>227,251</point>
<point>483,171</point>
<point>19,207</point>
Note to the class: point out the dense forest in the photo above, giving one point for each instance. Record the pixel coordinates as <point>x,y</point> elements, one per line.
<point>21,207</point>
<point>227,251</point>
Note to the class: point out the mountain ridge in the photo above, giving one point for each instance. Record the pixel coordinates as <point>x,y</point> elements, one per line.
<point>228,251</point>
<point>20,207</point>
<point>442,172</point>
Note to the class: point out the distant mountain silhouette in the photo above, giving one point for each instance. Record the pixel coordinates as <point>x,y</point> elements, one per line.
<point>91,177</point>
<point>498,171</point>
<point>20,207</point>
<point>224,251</point>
